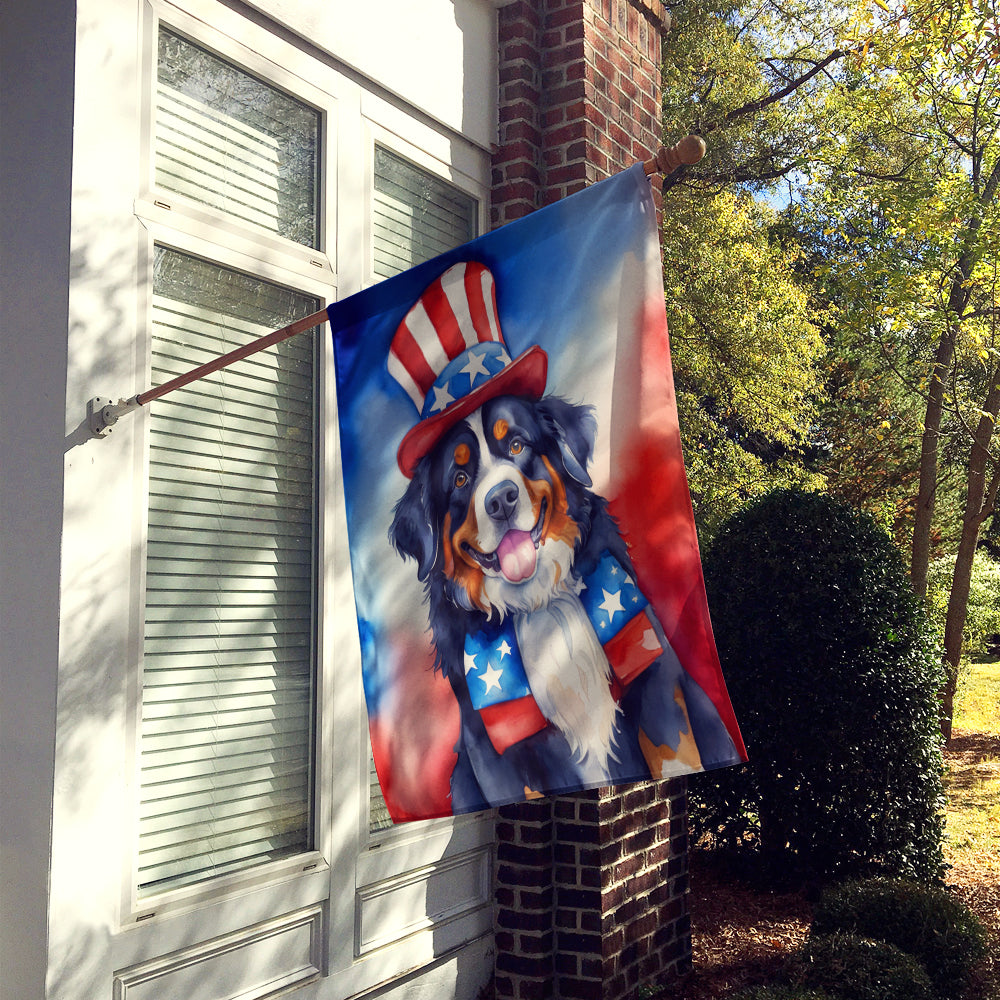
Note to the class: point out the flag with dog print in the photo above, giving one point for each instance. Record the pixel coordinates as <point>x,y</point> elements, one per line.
<point>531,611</point>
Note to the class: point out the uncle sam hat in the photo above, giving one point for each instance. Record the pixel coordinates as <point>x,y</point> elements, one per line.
<point>449,356</point>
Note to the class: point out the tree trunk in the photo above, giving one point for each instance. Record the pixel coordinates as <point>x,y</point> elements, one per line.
<point>920,553</point>
<point>958,299</point>
<point>980,499</point>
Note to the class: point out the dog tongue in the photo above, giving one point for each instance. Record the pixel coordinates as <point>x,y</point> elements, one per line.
<point>517,556</point>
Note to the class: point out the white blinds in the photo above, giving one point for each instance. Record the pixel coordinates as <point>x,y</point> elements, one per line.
<point>416,216</point>
<point>227,682</point>
<point>225,139</point>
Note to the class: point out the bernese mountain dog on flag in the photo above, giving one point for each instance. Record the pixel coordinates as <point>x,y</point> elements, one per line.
<point>562,672</point>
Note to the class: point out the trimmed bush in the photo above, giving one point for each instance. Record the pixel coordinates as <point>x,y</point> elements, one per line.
<point>833,672</point>
<point>925,922</point>
<point>856,968</point>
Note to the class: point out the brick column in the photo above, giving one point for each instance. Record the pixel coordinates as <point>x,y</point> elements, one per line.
<point>591,888</point>
<point>579,96</point>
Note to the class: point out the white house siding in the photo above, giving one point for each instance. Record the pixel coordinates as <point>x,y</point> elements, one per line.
<point>36,116</point>
<point>407,915</point>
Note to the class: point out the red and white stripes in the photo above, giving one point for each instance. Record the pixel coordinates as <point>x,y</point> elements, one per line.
<point>454,313</point>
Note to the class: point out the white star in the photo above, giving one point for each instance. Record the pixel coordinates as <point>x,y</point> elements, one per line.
<point>612,604</point>
<point>475,366</point>
<point>470,662</point>
<point>491,678</point>
<point>442,397</point>
<point>504,649</point>
<point>614,570</point>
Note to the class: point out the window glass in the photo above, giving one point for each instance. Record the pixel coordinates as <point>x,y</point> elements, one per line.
<point>228,140</point>
<point>416,216</point>
<point>228,656</point>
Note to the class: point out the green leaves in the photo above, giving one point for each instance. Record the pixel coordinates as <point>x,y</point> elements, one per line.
<point>746,352</point>
<point>833,674</point>
<point>874,125</point>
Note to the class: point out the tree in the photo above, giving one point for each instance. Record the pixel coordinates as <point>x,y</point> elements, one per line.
<point>747,352</point>
<point>879,123</point>
<point>746,75</point>
<point>913,191</point>
<point>747,357</point>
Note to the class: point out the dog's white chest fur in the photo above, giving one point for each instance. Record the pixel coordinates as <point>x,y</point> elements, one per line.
<point>569,676</point>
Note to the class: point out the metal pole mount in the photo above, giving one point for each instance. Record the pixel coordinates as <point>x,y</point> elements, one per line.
<point>103,413</point>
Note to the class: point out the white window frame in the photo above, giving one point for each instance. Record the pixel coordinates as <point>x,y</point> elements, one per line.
<point>351,873</point>
<point>388,860</point>
<point>180,224</point>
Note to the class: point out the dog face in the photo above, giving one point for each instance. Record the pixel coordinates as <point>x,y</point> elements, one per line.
<point>493,513</point>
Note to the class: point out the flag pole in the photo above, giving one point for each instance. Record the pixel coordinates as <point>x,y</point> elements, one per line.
<point>103,413</point>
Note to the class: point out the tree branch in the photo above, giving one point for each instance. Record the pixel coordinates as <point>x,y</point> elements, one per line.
<point>754,106</point>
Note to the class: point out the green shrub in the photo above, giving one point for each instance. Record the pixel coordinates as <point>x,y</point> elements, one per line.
<point>833,672</point>
<point>925,922</point>
<point>856,968</point>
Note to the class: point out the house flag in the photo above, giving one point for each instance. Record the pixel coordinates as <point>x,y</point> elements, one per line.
<point>529,595</point>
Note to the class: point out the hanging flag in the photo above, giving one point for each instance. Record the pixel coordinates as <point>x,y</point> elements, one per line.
<point>530,602</point>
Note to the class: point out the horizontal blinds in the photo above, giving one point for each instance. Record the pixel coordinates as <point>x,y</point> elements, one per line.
<point>227,680</point>
<point>228,140</point>
<point>416,216</point>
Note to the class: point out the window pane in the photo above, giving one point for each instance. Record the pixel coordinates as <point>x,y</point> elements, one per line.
<point>228,140</point>
<point>228,657</point>
<point>416,217</point>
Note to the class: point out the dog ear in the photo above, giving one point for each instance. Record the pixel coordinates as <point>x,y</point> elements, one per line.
<point>574,428</point>
<point>413,531</point>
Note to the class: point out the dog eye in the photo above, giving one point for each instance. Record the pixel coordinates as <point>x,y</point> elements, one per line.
<point>516,446</point>
<point>460,480</point>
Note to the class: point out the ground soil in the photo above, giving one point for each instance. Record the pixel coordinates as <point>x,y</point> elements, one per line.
<point>742,935</point>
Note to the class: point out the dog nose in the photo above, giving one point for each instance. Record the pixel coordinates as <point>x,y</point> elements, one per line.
<point>501,501</point>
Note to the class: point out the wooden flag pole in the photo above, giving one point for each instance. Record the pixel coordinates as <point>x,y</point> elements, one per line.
<point>103,413</point>
<point>260,344</point>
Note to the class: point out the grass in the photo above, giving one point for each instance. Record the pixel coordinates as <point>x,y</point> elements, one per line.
<point>972,848</point>
<point>973,783</point>
<point>978,698</point>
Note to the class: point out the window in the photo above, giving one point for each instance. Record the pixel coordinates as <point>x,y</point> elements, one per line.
<point>229,649</point>
<point>227,140</point>
<point>210,835</point>
<point>228,687</point>
<point>416,216</point>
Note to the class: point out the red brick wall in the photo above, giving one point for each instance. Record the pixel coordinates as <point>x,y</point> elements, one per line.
<point>591,893</point>
<point>579,96</point>
<point>591,889</point>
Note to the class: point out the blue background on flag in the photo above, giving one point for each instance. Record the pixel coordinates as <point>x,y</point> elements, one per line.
<point>497,673</point>
<point>611,598</point>
<point>560,285</point>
